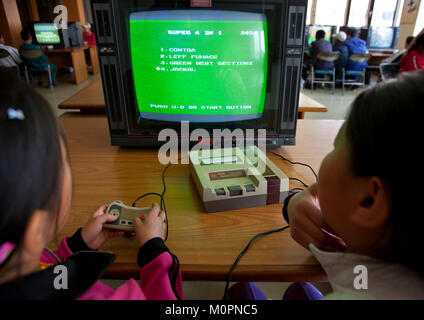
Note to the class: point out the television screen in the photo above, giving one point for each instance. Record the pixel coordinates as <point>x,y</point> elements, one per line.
<point>381,38</point>
<point>46,33</point>
<point>199,65</point>
<point>313,31</point>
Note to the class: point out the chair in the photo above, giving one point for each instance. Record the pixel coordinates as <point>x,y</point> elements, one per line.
<point>327,57</point>
<point>33,54</point>
<point>5,54</point>
<point>359,58</point>
<point>389,71</point>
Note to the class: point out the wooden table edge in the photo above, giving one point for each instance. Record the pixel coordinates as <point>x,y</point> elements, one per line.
<point>285,273</point>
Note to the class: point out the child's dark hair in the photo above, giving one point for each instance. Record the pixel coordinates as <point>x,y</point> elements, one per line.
<point>384,131</point>
<point>31,163</point>
<point>320,34</point>
<point>352,32</point>
<point>419,42</point>
<point>26,34</point>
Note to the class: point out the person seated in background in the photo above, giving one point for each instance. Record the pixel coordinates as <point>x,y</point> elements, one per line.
<point>13,59</point>
<point>396,57</point>
<point>38,62</point>
<point>355,45</point>
<point>88,35</point>
<point>318,46</point>
<point>414,59</point>
<point>343,50</point>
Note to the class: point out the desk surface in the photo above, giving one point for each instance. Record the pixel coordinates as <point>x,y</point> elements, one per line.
<point>73,49</point>
<point>206,244</point>
<point>92,98</point>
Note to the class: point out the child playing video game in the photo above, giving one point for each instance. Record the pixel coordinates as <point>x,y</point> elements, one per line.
<point>35,200</point>
<point>363,220</point>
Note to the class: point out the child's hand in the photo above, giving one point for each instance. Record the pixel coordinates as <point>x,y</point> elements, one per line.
<point>93,233</point>
<point>307,223</point>
<point>153,225</point>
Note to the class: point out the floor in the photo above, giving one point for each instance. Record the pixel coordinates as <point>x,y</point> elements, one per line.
<point>338,108</point>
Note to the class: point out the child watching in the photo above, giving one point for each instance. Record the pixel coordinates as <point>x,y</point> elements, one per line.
<point>359,213</point>
<point>414,59</point>
<point>35,200</point>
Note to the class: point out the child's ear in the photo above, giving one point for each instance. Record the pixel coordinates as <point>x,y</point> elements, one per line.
<point>35,238</point>
<point>374,204</point>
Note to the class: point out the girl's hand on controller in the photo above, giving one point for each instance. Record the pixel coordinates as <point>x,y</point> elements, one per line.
<point>153,226</point>
<point>93,233</point>
<point>307,223</point>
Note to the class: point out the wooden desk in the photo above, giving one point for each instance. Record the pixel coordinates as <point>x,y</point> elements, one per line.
<point>91,99</point>
<point>307,104</point>
<point>206,244</point>
<point>378,57</point>
<point>76,59</point>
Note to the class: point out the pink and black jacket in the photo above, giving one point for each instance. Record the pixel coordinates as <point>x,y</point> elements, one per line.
<point>160,276</point>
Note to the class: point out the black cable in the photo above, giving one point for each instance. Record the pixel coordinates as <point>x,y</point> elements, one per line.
<point>230,273</point>
<point>162,197</point>
<point>298,180</point>
<point>295,163</point>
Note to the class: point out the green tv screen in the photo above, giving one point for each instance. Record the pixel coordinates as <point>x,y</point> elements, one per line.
<point>199,65</point>
<point>46,33</point>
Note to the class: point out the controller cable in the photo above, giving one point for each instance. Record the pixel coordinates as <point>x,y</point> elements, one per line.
<point>162,198</point>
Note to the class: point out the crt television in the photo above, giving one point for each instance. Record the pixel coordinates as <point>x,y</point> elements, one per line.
<point>312,29</point>
<point>233,65</point>
<point>47,33</point>
<point>383,37</point>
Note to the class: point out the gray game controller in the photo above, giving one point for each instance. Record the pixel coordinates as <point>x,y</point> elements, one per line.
<point>125,216</point>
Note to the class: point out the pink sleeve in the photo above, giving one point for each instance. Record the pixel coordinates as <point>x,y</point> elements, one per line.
<point>159,280</point>
<point>63,252</point>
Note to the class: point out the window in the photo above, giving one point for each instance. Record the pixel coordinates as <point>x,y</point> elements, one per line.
<point>330,12</point>
<point>383,13</point>
<point>358,15</point>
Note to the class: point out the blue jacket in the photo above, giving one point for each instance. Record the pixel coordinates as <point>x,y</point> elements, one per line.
<point>356,45</point>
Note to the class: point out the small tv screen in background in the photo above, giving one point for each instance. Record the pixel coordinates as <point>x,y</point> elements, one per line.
<point>46,33</point>
<point>314,29</point>
<point>199,66</point>
<point>381,38</point>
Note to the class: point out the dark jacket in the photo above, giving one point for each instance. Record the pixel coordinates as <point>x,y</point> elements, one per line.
<point>321,46</point>
<point>344,56</point>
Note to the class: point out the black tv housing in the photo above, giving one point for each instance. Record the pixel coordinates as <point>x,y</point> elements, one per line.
<point>286,30</point>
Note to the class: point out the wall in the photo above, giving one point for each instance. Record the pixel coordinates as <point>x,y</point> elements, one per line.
<point>10,22</point>
<point>407,23</point>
